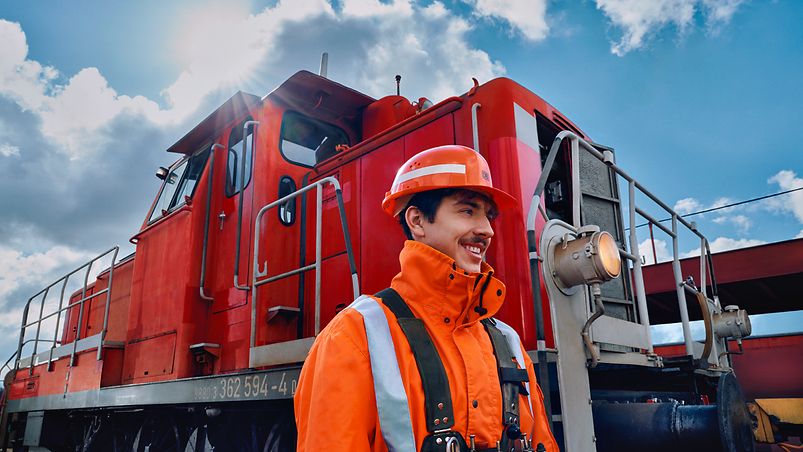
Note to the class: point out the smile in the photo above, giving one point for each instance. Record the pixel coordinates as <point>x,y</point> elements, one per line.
<point>474,250</point>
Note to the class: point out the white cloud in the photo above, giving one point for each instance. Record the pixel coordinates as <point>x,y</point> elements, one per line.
<point>799,235</point>
<point>792,202</point>
<point>687,205</point>
<point>640,20</point>
<point>742,223</point>
<point>662,252</point>
<point>375,8</point>
<point>17,268</point>
<point>7,150</point>
<point>724,244</point>
<point>527,17</point>
<point>720,11</point>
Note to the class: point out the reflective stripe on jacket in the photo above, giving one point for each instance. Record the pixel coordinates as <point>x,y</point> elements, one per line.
<point>352,394</point>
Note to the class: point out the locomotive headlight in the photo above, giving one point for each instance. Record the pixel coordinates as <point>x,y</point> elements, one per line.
<point>592,257</point>
<point>732,323</point>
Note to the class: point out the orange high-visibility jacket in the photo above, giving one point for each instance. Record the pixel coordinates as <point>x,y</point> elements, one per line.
<point>335,404</point>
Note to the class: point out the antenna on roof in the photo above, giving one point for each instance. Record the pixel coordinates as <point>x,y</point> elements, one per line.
<point>398,82</point>
<point>324,64</point>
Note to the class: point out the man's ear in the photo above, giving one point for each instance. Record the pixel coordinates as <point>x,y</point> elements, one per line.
<point>415,220</point>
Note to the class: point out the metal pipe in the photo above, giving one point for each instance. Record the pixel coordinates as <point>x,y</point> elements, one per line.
<point>209,181</point>
<point>652,242</point>
<point>657,427</point>
<point>324,64</point>
<point>108,302</point>
<point>58,321</point>
<point>285,275</point>
<point>246,125</point>
<point>684,312</point>
<point>653,221</point>
<point>475,132</point>
<point>577,193</point>
<point>318,224</point>
<point>638,276</point>
<point>355,281</point>
<point>80,315</point>
<point>38,327</point>
<point>702,268</point>
<point>710,259</point>
<point>599,310</point>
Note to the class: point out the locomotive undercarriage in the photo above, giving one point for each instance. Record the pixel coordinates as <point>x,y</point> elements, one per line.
<point>235,412</point>
<point>248,426</point>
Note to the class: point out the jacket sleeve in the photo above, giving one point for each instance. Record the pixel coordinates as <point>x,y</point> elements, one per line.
<point>335,407</point>
<point>539,431</point>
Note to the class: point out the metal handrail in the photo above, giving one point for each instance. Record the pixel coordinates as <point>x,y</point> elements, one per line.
<point>209,182</point>
<point>257,273</point>
<point>246,125</point>
<point>607,157</point>
<point>80,303</point>
<point>14,353</point>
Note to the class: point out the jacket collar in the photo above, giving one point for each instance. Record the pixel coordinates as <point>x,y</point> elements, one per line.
<point>437,289</point>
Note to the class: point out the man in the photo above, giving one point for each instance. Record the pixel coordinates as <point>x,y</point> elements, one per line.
<point>423,366</point>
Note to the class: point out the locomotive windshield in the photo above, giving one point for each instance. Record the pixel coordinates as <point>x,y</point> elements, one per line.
<point>307,142</point>
<point>179,184</point>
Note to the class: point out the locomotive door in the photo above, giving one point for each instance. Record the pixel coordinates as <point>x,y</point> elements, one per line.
<point>230,220</point>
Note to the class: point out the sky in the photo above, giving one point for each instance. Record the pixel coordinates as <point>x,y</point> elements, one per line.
<point>702,100</point>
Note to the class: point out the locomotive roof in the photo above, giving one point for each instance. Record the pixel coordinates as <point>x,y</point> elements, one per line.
<point>321,97</point>
<point>238,105</point>
<point>303,91</point>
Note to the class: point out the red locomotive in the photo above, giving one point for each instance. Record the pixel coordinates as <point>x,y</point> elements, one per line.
<point>270,223</point>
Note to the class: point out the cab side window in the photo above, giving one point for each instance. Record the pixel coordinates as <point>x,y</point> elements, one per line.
<point>235,161</point>
<point>306,141</point>
<point>179,184</point>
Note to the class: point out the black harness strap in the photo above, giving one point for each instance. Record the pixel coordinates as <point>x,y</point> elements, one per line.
<point>437,398</point>
<point>512,380</point>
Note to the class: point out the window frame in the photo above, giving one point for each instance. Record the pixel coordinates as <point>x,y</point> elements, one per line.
<point>293,113</point>
<point>175,203</point>
<point>232,190</point>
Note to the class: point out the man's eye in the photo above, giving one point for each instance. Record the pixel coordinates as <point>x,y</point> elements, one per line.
<point>467,211</point>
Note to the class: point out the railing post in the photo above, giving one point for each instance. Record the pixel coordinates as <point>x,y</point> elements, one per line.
<point>684,311</point>
<point>22,333</point>
<point>38,329</point>
<point>576,191</point>
<point>80,314</point>
<point>318,226</point>
<point>108,300</point>
<point>641,297</point>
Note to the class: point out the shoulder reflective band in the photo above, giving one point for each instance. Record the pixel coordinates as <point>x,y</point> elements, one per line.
<point>515,346</point>
<point>446,168</point>
<point>391,398</point>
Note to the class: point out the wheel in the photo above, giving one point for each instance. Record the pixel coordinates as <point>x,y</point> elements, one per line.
<point>198,441</point>
<point>282,435</point>
<point>158,434</point>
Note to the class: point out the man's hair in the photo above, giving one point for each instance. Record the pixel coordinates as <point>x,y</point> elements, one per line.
<point>429,201</point>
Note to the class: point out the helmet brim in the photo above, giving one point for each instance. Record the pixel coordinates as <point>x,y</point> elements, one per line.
<point>502,200</point>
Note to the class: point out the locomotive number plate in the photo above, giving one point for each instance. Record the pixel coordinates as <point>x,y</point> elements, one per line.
<point>272,385</point>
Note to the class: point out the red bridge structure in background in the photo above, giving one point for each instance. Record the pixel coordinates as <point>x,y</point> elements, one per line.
<point>761,279</point>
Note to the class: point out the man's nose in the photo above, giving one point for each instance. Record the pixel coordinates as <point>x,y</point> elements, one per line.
<point>483,228</point>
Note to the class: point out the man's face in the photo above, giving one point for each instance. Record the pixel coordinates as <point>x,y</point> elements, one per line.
<point>461,230</point>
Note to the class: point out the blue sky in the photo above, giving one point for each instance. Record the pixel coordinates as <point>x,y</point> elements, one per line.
<point>702,100</point>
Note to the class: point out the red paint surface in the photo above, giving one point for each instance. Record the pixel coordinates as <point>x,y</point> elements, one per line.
<point>770,366</point>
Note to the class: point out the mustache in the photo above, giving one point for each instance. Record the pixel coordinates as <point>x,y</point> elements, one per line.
<point>478,241</point>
